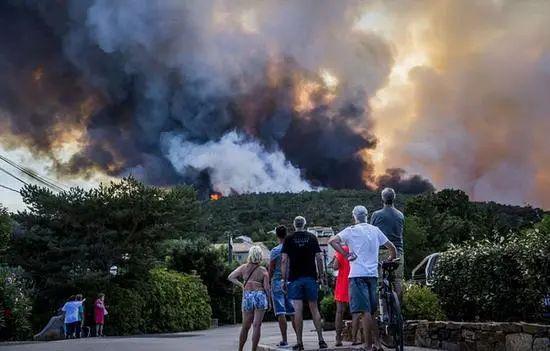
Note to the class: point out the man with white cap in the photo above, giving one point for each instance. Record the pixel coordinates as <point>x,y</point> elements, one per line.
<point>363,241</point>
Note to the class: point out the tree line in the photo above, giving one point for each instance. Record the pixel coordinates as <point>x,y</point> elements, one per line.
<point>68,242</point>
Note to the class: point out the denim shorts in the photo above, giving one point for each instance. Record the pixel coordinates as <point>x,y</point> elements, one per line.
<point>363,294</point>
<point>281,302</point>
<point>303,288</point>
<point>254,300</point>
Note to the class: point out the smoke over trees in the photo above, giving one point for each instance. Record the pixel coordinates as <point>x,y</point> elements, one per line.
<point>193,92</point>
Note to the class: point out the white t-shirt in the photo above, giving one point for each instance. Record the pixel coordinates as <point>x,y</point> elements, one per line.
<point>364,240</point>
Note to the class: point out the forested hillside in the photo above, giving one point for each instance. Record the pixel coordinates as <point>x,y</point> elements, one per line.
<point>256,214</point>
<point>433,220</point>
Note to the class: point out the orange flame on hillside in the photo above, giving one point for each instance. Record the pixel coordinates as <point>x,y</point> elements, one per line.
<point>215,196</point>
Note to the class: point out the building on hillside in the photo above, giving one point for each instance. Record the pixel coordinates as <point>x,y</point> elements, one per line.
<point>240,250</point>
<point>323,234</point>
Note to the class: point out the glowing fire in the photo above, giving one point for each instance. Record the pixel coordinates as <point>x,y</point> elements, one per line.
<point>215,196</point>
<point>311,93</point>
<point>38,73</point>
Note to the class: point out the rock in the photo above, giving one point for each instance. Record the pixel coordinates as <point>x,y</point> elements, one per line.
<point>450,346</point>
<point>468,334</point>
<point>467,346</point>
<point>510,328</point>
<point>535,329</point>
<point>518,342</point>
<point>541,344</point>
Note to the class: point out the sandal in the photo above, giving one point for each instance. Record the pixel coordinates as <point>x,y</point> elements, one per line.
<point>298,347</point>
<point>322,344</point>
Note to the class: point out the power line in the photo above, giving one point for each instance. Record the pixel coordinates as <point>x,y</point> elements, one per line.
<point>32,174</point>
<point>14,176</point>
<point>8,188</point>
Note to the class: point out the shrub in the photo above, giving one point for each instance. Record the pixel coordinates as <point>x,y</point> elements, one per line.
<point>177,302</point>
<point>209,263</point>
<point>501,281</point>
<point>328,308</point>
<point>420,302</point>
<point>15,304</point>
<point>127,311</point>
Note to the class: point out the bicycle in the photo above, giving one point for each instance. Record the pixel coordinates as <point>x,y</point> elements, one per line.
<point>390,320</point>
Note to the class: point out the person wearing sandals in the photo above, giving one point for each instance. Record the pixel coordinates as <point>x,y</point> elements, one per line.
<point>363,241</point>
<point>301,255</point>
<point>282,307</point>
<point>255,291</point>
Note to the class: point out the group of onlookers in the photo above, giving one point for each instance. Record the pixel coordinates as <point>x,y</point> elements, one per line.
<point>74,319</point>
<point>296,271</point>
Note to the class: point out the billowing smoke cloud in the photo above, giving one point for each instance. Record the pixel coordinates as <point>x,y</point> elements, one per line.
<point>169,90</point>
<point>396,178</point>
<point>474,112</point>
<point>236,164</point>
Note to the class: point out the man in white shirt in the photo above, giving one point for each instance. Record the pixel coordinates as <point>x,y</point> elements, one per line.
<point>363,241</point>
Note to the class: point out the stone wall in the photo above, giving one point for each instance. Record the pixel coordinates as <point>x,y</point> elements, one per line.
<point>461,336</point>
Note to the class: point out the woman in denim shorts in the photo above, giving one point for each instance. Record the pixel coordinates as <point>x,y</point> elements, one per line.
<point>255,287</point>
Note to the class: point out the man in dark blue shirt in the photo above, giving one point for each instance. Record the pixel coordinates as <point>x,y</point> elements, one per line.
<point>390,221</point>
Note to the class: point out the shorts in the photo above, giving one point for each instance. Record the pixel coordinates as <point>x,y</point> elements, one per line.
<point>303,288</point>
<point>281,302</point>
<point>254,300</point>
<point>363,294</point>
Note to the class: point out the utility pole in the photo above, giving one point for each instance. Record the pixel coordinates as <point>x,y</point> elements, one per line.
<point>230,261</point>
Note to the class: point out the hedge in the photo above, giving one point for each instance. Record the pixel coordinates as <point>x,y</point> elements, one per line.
<point>166,301</point>
<point>499,281</point>
<point>178,302</point>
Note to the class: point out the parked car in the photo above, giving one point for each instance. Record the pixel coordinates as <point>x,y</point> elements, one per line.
<point>423,273</point>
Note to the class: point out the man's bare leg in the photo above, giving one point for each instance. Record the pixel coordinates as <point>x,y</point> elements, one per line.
<point>282,326</point>
<point>316,316</point>
<point>298,319</point>
<point>371,328</point>
<point>355,328</point>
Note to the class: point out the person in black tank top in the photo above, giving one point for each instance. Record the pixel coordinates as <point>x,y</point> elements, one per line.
<point>302,255</point>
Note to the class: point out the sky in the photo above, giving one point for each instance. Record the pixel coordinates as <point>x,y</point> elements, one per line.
<point>280,96</point>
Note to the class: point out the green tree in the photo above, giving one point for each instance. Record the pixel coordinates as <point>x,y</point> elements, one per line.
<point>71,239</point>
<point>5,229</point>
<point>415,237</point>
<point>202,258</point>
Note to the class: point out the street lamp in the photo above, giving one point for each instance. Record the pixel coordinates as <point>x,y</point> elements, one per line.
<point>113,271</point>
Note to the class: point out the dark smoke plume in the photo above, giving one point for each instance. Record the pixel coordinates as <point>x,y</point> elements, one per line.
<point>397,179</point>
<point>254,96</point>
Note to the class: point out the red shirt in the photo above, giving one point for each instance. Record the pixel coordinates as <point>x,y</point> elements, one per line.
<point>341,291</point>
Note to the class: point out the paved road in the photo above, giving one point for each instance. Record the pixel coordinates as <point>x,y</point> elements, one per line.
<point>219,339</point>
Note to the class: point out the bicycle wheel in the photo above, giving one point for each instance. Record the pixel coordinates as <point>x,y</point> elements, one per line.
<point>385,328</point>
<point>397,322</point>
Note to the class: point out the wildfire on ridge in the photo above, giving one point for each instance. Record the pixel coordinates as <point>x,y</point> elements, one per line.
<point>215,196</point>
